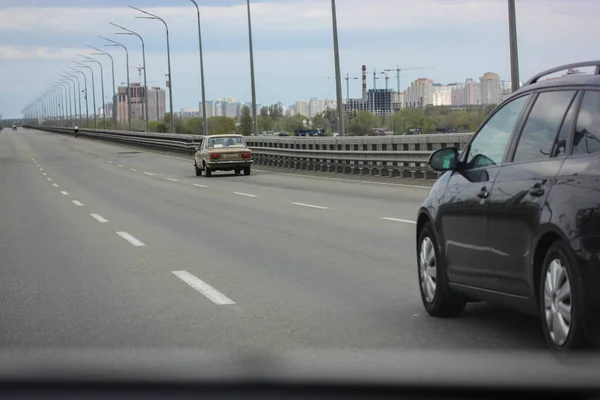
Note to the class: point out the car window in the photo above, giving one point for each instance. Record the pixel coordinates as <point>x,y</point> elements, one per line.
<point>560,144</point>
<point>542,126</point>
<point>490,143</point>
<point>587,131</point>
<point>233,141</point>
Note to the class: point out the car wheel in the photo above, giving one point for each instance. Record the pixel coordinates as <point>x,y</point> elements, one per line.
<point>238,171</point>
<point>247,170</point>
<point>198,170</point>
<point>437,297</point>
<point>561,301</point>
<point>207,171</point>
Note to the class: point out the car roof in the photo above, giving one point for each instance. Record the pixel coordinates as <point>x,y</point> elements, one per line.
<point>223,136</point>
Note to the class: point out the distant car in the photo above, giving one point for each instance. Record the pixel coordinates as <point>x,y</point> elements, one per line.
<point>14,127</point>
<point>283,134</point>
<point>223,153</point>
<point>515,218</point>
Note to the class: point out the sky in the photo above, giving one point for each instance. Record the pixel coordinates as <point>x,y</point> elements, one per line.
<point>293,46</point>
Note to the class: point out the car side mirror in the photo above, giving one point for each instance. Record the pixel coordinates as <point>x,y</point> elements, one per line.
<point>445,159</point>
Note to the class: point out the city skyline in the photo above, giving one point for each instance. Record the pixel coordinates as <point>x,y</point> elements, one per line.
<point>293,49</point>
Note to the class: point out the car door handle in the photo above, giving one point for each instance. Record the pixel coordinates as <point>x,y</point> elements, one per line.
<point>536,191</point>
<point>483,194</point>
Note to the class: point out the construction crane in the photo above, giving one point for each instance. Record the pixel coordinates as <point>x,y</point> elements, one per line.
<point>347,78</point>
<point>398,70</point>
<point>140,69</point>
<point>375,77</point>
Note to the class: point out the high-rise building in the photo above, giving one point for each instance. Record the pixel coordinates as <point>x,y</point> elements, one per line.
<point>458,95</point>
<point>210,108</point>
<point>301,107</point>
<point>315,107</point>
<point>157,104</point>
<point>471,93</point>
<point>380,101</point>
<point>490,88</point>
<point>442,94</point>
<point>419,93</point>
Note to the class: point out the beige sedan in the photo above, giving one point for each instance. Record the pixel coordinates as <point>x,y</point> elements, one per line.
<point>223,153</point>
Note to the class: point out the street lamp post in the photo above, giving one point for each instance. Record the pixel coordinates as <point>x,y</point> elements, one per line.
<point>117,44</point>
<point>252,82</point>
<point>87,111</point>
<point>79,91</point>
<point>338,76</point>
<point>152,16</point>
<point>74,91</point>
<point>61,104</point>
<point>514,53</point>
<point>93,89</point>
<point>68,112</point>
<point>90,59</point>
<point>203,87</point>
<point>130,32</point>
<point>114,96</point>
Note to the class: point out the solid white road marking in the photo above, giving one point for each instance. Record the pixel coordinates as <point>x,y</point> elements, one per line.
<point>310,206</point>
<point>99,218</point>
<point>148,173</point>
<point>198,185</point>
<point>55,185</point>
<point>210,292</point>
<point>133,169</point>
<point>131,239</point>
<point>77,203</point>
<point>172,180</point>
<point>406,221</point>
<point>244,194</point>
<point>65,193</point>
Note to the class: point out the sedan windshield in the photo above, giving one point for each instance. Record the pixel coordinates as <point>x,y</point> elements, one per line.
<point>233,141</point>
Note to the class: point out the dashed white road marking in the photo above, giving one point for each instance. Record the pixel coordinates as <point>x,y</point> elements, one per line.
<point>131,239</point>
<point>406,221</point>
<point>41,169</point>
<point>110,162</point>
<point>55,185</point>
<point>133,169</point>
<point>77,203</point>
<point>244,194</point>
<point>43,173</point>
<point>198,185</point>
<point>120,165</point>
<point>149,173</point>
<point>310,206</point>
<point>99,218</point>
<point>49,179</point>
<point>65,193</point>
<point>172,180</point>
<point>208,291</point>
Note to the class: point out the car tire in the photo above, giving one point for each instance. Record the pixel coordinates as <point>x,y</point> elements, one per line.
<point>207,171</point>
<point>247,171</point>
<point>561,298</point>
<point>238,171</point>
<point>438,299</point>
<point>198,170</point>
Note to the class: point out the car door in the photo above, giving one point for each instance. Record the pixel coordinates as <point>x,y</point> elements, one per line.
<point>521,189</point>
<point>462,215</point>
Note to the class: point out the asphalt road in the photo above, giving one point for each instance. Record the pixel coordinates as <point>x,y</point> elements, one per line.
<point>107,246</point>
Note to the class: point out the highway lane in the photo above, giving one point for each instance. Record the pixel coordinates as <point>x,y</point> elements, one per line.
<point>281,275</point>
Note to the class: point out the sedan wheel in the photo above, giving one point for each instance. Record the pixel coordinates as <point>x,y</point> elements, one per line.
<point>557,302</point>
<point>427,267</point>
<point>561,302</point>
<point>438,298</point>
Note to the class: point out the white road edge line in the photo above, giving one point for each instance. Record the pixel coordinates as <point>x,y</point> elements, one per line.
<point>208,291</point>
<point>55,185</point>
<point>131,239</point>
<point>77,203</point>
<point>172,180</point>
<point>198,185</point>
<point>406,221</point>
<point>310,206</point>
<point>244,194</point>
<point>99,218</point>
<point>148,173</point>
<point>65,193</point>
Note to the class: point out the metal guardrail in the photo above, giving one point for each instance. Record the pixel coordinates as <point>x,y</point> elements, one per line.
<point>396,156</point>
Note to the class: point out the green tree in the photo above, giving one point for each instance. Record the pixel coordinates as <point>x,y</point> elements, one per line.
<point>246,122</point>
<point>318,121</point>
<point>195,125</point>
<point>159,127</point>
<point>362,123</point>
<point>221,125</point>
